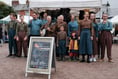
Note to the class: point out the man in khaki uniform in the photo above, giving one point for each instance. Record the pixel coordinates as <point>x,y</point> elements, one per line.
<point>21,37</point>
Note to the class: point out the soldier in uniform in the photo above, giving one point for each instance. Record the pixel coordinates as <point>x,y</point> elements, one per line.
<point>21,37</point>
<point>11,29</point>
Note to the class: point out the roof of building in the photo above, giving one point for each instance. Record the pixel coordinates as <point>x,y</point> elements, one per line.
<point>21,7</point>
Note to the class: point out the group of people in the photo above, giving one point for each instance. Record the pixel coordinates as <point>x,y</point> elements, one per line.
<point>78,37</point>
<point>17,34</point>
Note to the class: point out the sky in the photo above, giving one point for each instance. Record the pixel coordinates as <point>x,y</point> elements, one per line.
<point>113,3</point>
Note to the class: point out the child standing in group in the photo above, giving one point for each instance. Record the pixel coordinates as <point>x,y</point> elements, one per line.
<point>73,46</point>
<point>61,43</point>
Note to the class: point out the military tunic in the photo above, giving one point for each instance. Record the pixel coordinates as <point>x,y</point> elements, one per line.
<point>22,31</point>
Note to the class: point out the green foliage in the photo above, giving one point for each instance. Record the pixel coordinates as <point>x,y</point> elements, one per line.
<point>5,10</point>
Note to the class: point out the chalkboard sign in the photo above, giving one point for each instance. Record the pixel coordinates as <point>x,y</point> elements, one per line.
<point>40,55</point>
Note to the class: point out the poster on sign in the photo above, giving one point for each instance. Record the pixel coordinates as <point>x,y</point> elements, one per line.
<point>40,55</point>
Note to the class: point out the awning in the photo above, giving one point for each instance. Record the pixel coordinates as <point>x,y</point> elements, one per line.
<point>66,3</point>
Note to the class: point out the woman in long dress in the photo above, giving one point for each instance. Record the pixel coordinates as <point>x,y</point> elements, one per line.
<point>86,37</point>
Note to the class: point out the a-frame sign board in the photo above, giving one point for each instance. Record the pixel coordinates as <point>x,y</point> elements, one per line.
<point>40,56</point>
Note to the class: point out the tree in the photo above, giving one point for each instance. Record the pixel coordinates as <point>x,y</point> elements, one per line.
<point>5,10</point>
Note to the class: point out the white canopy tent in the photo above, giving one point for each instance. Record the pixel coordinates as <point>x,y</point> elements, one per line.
<point>114,20</point>
<point>74,5</point>
<point>7,18</point>
<point>66,3</point>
